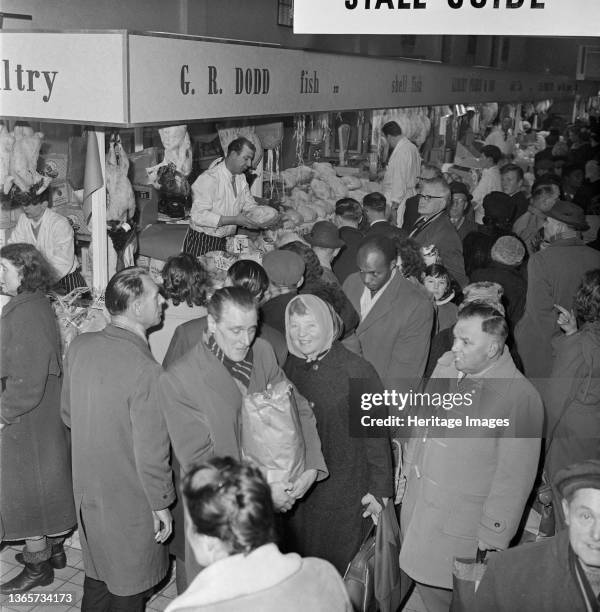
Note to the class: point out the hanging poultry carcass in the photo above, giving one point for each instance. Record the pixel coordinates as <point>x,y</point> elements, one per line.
<point>178,148</point>
<point>24,158</point>
<point>120,203</point>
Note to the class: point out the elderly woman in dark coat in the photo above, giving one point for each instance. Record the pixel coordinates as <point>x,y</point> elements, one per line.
<point>329,521</point>
<point>36,496</point>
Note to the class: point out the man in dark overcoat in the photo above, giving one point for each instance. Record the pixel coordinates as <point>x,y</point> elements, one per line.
<point>122,480</point>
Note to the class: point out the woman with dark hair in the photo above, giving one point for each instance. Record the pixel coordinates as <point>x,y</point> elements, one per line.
<point>231,533</point>
<point>410,260</point>
<point>329,521</point>
<point>184,286</point>
<point>36,494</point>
<point>49,232</point>
<point>572,393</point>
<point>250,275</point>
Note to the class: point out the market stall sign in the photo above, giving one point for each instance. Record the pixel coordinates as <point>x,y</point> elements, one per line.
<point>488,17</point>
<point>73,77</point>
<point>188,79</point>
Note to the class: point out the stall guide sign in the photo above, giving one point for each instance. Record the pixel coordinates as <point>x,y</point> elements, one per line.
<point>458,17</point>
<point>127,79</point>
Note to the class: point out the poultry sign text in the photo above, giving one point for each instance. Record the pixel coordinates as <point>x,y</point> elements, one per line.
<point>25,79</point>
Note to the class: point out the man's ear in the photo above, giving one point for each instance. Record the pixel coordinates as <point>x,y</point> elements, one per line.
<point>211,323</point>
<point>299,283</point>
<point>493,349</point>
<point>565,507</point>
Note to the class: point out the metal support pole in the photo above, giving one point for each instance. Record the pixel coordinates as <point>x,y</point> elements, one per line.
<point>99,235</point>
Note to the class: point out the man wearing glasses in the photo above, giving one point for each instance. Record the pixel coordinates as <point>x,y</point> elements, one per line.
<point>434,227</point>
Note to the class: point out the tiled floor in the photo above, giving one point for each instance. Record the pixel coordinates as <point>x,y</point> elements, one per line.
<point>67,580</point>
<point>70,580</point>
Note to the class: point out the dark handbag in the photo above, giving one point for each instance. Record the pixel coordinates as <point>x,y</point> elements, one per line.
<point>466,576</point>
<point>360,575</point>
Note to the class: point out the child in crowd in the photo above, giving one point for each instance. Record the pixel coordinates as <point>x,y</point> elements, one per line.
<point>438,282</point>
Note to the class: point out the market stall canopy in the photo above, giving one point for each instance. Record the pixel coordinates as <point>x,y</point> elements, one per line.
<point>121,78</point>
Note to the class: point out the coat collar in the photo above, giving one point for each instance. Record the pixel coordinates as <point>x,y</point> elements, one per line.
<point>121,333</point>
<point>566,242</point>
<point>261,569</point>
<point>23,298</point>
<point>496,377</point>
<point>383,305</point>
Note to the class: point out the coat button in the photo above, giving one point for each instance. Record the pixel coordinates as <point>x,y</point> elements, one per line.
<point>315,367</point>
<point>496,524</point>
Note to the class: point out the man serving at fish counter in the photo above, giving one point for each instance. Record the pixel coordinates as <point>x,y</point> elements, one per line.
<point>222,201</point>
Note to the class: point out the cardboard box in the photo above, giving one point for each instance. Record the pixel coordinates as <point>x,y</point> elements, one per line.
<point>54,165</point>
<point>146,201</point>
<point>60,194</point>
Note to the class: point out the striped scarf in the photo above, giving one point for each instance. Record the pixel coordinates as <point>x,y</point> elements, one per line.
<point>240,370</point>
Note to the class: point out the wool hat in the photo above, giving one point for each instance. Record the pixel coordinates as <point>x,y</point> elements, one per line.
<point>325,234</point>
<point>283,268</point>
<point>508,250</point>
<point>584,475</point>
<point>458,187</point>
<point>570,214</point>
<point>485,292</point>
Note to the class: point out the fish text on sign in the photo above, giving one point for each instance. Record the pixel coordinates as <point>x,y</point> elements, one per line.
<point>26,79</point>
<point>309,84</point>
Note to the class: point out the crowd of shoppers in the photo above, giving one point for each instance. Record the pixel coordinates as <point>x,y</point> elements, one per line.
<point>431,285</point>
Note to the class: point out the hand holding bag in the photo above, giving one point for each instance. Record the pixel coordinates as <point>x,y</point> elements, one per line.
<point>466,576</point>
<point>360,575</point>
<point>373,576</point>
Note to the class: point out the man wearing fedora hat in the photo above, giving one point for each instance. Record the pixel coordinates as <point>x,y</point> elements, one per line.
<point>460,211</point>
<point>324,238</point>
<point>558,573</point>
<point>554,274</point>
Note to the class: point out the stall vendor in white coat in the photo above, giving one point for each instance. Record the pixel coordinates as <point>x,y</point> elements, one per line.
<point>402,172</point>
<point>49,232</point>
<point>221,200</point>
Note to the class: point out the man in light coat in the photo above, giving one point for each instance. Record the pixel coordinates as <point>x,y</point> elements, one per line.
<point>465,493</point>
<point>122,480</point>
<point>402,172</point>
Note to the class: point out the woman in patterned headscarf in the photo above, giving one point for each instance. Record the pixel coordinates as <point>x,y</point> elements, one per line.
<point>329,521</point>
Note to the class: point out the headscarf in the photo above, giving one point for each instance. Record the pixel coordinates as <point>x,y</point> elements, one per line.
<point>327,319</point>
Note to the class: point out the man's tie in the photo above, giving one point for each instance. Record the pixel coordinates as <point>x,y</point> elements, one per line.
<point>233,185</point>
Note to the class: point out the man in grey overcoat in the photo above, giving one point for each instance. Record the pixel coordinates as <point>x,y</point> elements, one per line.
<point>467,490</point>
<point>122,480</point>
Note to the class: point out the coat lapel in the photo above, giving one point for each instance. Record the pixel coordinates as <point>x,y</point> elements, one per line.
<point>382,306</point>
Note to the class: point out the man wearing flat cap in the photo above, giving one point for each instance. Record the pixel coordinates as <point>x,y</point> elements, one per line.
<point>557,574</point>
<point>286,273</point>
<point>554,274</point>
<point>325,241</point>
